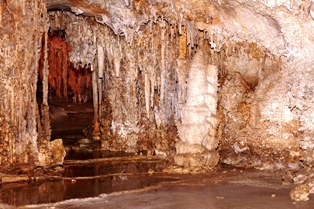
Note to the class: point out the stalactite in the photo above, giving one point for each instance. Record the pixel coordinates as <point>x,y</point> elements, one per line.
<point>152,87</point>
<point>163,62</point>
<point>45,71</point>
<point>101,59</point>
<point>183,45</point>
<point>95,101</point>
<point>1,12</point>
<point>100,92</point>
<point>36,8</point>
<point>180,23</point>
<point>65,64</point>
<point>147,94</point>
<point>58,62</point>
<point>117,60</point>
<point>23,7</point>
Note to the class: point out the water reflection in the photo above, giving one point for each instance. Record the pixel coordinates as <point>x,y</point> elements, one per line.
<point>49,192</point>
<point>84,154</point>
<point>112,167</point>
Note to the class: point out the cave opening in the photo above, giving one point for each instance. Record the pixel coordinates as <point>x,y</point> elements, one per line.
<point>70,96</point>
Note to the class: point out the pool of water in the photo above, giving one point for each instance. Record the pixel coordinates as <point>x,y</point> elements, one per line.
<point>84,154</point>
<point>108,168</point>
<point>55,191</point>
<point>87,178</point>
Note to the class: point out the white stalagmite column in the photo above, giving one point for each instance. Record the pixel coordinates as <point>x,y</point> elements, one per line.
<point>197,130</point>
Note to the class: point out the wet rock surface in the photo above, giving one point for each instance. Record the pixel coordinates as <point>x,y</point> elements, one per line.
<point>225,188</point>
<point>60,190</point>
<point>85,178</point>
<point>77,117</point>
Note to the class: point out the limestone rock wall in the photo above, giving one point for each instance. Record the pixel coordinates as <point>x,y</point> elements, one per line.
<point>24,121</point>
<point>271,126</point>
<point>22,24</point>
<point>144,85</point>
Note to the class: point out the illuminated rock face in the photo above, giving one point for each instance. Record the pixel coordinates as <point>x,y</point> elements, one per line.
<point>22,25</point>
<point>197,130</point>
<point>263,51</point>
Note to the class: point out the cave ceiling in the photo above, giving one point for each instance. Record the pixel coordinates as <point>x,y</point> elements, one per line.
<point>264,22</point>
<point>122,14</point>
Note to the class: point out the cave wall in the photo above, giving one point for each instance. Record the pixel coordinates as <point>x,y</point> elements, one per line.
<point>140,90</point>
<point>21,29</point>
<point>144,85</point>
<point>139,105</point>
<point>271,127</point>
<point>263,51</point>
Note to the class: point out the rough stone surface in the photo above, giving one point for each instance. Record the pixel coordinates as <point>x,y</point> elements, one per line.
<point>22,26</point>
<point>57,151</point>
<point>197,160</point>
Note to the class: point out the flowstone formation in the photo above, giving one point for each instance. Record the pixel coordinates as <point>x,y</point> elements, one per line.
<point>197,130</point>
<point>22,25</point>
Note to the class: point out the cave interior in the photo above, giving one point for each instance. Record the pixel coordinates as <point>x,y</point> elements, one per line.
<point>157,104</point>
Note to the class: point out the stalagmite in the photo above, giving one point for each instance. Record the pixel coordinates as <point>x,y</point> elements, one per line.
<point>198,116</point>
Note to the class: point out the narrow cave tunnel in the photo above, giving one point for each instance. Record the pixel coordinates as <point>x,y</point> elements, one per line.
<point>70,95</point>
<point>156,104</point>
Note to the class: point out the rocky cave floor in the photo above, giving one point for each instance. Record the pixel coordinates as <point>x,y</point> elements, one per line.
<point>103,179</point>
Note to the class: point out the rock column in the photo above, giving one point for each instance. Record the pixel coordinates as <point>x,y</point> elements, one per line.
<point>197,130</point>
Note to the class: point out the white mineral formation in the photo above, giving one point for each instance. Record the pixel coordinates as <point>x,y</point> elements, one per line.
<point>100,59</point>
<point>198,115</point>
